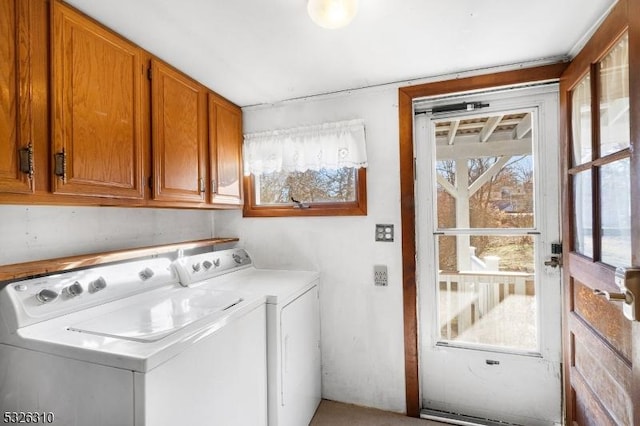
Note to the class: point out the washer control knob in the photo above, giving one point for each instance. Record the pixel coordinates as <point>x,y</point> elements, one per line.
<point>46,295</point>
<point>216,262</point>
<point>207,265</point>
<point>73,290</point>
<point>146,273</point>
<point>195,267</point>
<point>20,287</point>
<point>97,285</point>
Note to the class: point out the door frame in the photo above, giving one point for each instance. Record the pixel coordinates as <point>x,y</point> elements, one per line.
<point>406,96</point>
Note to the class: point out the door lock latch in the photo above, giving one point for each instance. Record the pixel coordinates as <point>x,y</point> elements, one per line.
<point>554,261</point>
<point>556,256</point>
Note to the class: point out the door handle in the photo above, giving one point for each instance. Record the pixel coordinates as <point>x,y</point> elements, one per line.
<point>628,280</point>
<point>616,297</point>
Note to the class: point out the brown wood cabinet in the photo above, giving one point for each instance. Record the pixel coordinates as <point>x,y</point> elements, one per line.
<point>98,125</point>
<point>178,109</point>
<point>225,151</point>
<point>89,118</point>
<point>16,147</point>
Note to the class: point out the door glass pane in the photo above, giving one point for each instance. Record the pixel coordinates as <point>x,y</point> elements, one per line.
<point>614,99</point>
<point>615,213</point>
<point>583,215</point>
<point>446,190</point>
<point>484,172</point>
<point>581,121</point>
<point>486,291</point>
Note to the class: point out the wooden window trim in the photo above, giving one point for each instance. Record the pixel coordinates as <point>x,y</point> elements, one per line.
<point>354,208</point>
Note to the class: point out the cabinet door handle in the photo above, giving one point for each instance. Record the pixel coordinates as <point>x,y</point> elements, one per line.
<point>201,185</point>
<point>26,160</point>
<point>214,187</point>
<point>61,165</point>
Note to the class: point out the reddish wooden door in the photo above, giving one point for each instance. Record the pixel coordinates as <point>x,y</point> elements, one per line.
<point>179,135</point>
<point>225,148</point>
<point>16,159</point>
<point>98,126</point>
<point>600,107</point>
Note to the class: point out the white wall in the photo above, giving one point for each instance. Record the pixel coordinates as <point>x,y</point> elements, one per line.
<point>362,328</point>
<point>43,232</point>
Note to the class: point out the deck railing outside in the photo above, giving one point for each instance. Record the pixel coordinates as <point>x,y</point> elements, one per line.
<point>492,307</point>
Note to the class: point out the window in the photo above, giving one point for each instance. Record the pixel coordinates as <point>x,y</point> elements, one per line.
<point>601,168</point>
<point>306,171</point>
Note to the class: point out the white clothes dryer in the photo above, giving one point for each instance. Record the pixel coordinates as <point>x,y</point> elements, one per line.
<point>293,326</point>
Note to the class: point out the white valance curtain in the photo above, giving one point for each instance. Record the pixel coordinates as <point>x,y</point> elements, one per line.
<point>329,146</point>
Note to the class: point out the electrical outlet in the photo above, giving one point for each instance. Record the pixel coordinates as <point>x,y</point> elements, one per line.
<point>384,232</point>
<point>380,275</point>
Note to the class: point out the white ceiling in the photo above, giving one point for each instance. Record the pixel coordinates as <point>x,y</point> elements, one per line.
<point>264,51</point>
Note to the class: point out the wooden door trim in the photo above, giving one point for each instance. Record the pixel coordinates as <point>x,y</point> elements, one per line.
<point>602,40</point>
<point>633,12</point>
<point>406,96</point>
<point>634,105</point>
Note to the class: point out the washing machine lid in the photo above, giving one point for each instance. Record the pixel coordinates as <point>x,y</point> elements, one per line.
<point>152,320</point>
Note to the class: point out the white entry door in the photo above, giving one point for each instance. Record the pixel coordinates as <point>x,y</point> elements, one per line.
<point>489,307</point>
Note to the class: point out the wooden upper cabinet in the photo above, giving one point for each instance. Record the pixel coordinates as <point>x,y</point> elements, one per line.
<point>98,125</point>
<point>225,148</point>
<point>179,132</point>
<point>16,147</point>
<point>88,117</point>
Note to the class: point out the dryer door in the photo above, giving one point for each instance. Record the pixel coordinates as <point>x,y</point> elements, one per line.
<point>300,361</point>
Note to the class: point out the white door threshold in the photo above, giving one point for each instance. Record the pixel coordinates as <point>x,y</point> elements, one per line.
<point>458,419</point>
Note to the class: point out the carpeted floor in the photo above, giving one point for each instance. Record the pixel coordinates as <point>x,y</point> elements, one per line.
<point>332,413</point>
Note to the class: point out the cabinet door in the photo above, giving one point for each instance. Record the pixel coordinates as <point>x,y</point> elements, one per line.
<point>15,117</point>
<point>225,147</point>
<point>98,125</point>
<point>179,135</point>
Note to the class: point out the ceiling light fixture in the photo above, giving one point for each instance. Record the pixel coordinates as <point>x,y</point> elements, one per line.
<point>332,14</point>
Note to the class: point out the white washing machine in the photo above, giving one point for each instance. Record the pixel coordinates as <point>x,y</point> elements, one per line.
<point>127,345</point>
<point>293,326</point>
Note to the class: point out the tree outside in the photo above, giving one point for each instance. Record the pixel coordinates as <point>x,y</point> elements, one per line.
<point>311,186</point>
<point>506,200</point>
